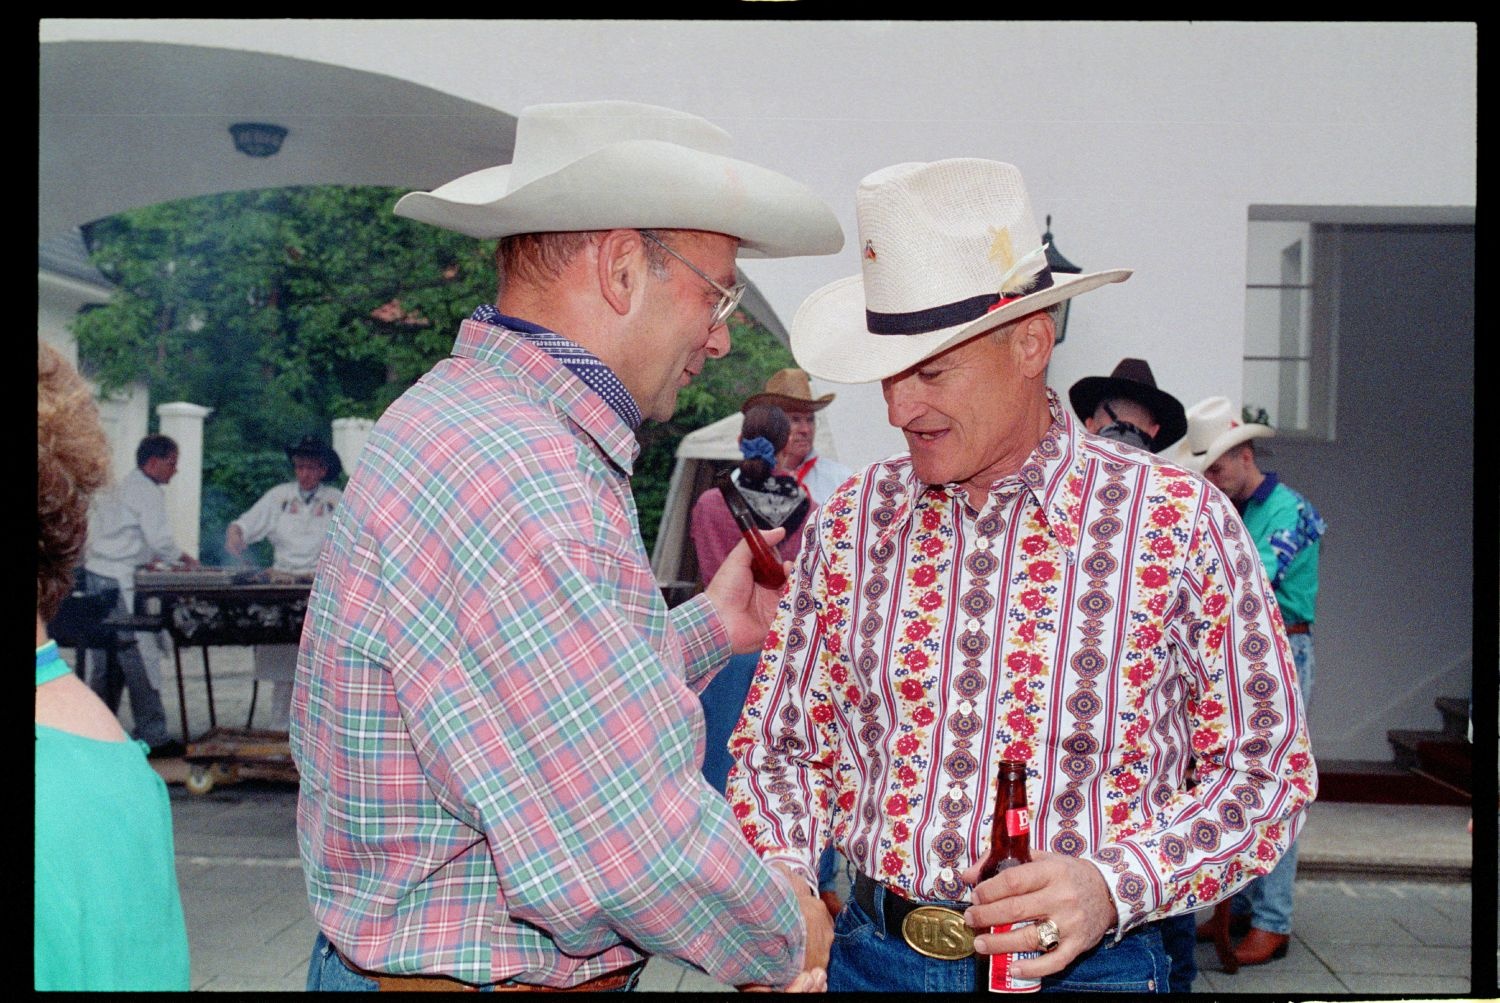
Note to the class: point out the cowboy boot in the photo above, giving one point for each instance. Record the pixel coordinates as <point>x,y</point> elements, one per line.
<point>1239,925</point>
<point>1261,946</point>
<point>1216,929</point>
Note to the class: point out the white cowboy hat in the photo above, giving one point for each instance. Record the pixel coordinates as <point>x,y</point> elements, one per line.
<point>948,250</point>
<point>600,165</point>
<point>1213,429</point>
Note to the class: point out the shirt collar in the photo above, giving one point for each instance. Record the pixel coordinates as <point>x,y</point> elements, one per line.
<point>584,364</point>
<point>553,384</point>
<point>1260,494</point>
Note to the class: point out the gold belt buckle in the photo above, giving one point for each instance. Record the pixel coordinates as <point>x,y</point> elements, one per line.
<point>938,933</point>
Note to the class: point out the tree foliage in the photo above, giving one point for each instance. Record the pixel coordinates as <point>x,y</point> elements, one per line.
<point>283,309</point>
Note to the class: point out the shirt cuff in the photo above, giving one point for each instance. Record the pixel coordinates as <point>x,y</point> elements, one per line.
<point>705,639</point>
<point>1122,915</point>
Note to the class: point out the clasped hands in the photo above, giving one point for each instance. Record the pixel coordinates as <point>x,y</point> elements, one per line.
<point>814,975</point>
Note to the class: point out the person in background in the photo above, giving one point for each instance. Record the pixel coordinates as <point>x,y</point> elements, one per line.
<point>1011,588</point>
<point>294,516</point>
<point>774,496</point>
<point>775,500</point>
<point>128,529</point>
<point>494,717</point>
<point>1288,533</point>
<point>1128,407</point>
<point>790,390</point>
<point>106,912</point>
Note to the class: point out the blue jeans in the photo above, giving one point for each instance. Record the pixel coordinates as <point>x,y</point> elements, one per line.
<point>326,972</point>
<point>128,673</point>
<point>1268,899</point>
<point>723,702</point>
<point>1179,935</point>
<point>866,959</point>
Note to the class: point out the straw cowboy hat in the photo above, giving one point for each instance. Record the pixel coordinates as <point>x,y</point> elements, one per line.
<point>600,165</point>
<point>790,390</point>
<point>311,445</point>
<point>948,250</point>
<point>1213,429</point>
<point>1132,380</point>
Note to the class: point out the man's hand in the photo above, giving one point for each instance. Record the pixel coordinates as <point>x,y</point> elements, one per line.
<point>1055,886</point>
<point>813,978</point>
<point>745,607</point>
<point>234,540</point>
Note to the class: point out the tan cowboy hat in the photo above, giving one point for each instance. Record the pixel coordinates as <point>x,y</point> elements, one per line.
<point>599,165</point>
<point>790,390</point>
<point>1213,429</point>
<point>948,250</point>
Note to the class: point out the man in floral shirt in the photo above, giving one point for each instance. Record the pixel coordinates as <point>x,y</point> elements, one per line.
<point>1010,588</point>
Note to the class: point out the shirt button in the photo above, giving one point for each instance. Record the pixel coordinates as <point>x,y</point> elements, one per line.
<point>966,707</point>
<point>973,624</point>
<point>983,543</point>
<point>955,793</point>
<point>946,874</point>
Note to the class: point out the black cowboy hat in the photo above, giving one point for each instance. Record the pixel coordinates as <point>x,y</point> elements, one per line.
<point>311,445</point>
<point>1132,380</point>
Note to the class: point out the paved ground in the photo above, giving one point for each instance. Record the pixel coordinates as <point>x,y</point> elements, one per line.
<point>1374,915</point>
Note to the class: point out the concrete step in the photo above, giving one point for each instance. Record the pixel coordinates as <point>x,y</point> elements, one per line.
<point>1408,842</point>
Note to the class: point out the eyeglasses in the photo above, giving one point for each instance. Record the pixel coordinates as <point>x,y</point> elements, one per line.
<point>728,298</point>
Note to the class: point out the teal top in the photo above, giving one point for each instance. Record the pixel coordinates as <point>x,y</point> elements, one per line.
<point>106,911</point>
<point>1287,531</point>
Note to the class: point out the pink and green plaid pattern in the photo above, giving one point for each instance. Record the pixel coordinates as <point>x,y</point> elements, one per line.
<point>494,715</point>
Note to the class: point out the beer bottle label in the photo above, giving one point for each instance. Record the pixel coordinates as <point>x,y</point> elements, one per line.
<point>1017,822</point>
<point>1002,979</point>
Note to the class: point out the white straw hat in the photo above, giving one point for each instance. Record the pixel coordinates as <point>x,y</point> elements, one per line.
<point>948,250</point>
<point>599,165</point>
<point>1213,430</point>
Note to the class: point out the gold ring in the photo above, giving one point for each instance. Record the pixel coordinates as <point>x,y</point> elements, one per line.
<point>1047,936</point>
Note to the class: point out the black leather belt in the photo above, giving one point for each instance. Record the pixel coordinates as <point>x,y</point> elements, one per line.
<point>938,931</point>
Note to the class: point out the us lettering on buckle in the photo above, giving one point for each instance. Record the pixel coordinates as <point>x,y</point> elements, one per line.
<point>937,933</point>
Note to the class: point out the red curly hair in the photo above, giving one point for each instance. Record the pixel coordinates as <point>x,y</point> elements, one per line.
<point>72,462</point>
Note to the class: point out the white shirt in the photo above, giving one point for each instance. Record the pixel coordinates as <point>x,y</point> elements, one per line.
<point>128,528</point>
<point>822,476</point>
<point>295,527</point>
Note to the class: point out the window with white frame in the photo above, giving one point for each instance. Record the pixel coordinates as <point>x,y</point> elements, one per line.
<point>1290,318</point>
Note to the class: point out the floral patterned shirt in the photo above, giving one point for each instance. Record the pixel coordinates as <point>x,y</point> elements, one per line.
<point>1105,618</point>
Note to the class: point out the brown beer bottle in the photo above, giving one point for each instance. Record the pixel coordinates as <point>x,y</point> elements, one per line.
<point>1010,845</point>
<point>765,566</point>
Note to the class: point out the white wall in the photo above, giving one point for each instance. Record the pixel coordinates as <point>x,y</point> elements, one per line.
<point>1145,141</point>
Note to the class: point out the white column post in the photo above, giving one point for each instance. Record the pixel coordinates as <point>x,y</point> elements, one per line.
<point>184,423</point>
<point>349,435</point>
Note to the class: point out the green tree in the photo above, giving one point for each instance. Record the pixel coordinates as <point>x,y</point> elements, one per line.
<point>283,309</point>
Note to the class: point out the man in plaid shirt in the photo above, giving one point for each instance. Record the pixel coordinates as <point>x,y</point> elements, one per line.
<point>494,715</point>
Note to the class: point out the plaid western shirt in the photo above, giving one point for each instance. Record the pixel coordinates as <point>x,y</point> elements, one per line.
<point>498,743</point>
<point>1105,618</point>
